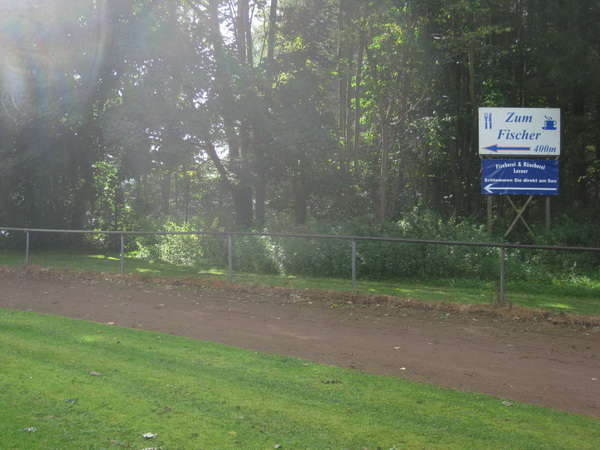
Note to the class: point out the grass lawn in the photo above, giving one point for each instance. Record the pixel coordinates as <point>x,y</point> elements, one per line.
<point>70,384</point>
<point>580,296</point>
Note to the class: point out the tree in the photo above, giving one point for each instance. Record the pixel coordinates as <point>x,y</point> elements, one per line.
<point>51,70</point>
<point>122,112</point>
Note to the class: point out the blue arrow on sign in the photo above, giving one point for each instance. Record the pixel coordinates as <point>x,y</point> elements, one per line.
<point>529,190</point>
<point>496,148</point>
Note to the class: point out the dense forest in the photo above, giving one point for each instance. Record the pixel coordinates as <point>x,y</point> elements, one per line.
<point>250,114</point>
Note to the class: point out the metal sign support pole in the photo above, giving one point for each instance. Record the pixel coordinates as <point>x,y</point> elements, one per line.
<point>519,215</point>
<point>230,256</point>
<point>122,254</point>
<point>490,208</point>
<point>27,248</point>
<point>502,277</point>
<point>353,265</point>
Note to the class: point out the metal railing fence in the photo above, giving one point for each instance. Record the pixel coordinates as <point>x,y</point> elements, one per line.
<point>353,239</point>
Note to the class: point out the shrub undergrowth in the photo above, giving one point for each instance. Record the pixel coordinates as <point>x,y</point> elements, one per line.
<point>381,260</point>
<point>375,259</point>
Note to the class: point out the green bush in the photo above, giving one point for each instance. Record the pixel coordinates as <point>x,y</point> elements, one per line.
<point>382,260</point>
<point>10,240</point>
<point>184,249</point>
<point>254,254</point>
<point>547,265</point>
<point>315,257</point>
<point>391,260</point>
<point>407,260</point>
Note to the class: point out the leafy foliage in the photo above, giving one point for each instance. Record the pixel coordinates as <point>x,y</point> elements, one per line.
<point>183,248</point>
<point>229,115</point>
<point>328,256</point>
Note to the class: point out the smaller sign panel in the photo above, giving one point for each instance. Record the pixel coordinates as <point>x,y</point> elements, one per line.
<point>519,177</point>
<point>531,132</point>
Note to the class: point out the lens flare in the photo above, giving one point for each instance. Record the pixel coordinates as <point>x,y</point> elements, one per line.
<point>50,55</point>
<point>15,85</point>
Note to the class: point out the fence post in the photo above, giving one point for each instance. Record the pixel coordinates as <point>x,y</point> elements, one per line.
<point>26,247</point>
<point>353,265</point>
<point>502,277</point>
<point>122,254</point>
<point>230,256</point>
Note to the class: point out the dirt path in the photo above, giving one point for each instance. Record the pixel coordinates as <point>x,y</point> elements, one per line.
<point>552,365</point>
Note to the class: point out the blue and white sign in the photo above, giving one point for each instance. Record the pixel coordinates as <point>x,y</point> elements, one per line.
<point>519,177</point>
<point>519,131</point>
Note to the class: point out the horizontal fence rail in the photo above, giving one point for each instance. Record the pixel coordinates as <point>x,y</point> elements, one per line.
<point>353,239</point>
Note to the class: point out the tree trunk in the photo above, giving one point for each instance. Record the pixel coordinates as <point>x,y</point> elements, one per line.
<point>425,180</point>
<point>81,200</point>
<point>272,32</point>
<point>383,107</point>
<point>240,190</point>
<point>260,140</point>
<point>357,108</point>
<point>165,192</point>
<point>346,44</point>
<point>385,168</point>
<point>241,202</point>
<point>301,196</point>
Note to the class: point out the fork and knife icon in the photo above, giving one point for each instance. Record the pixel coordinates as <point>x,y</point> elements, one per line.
<point>487,120</point>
